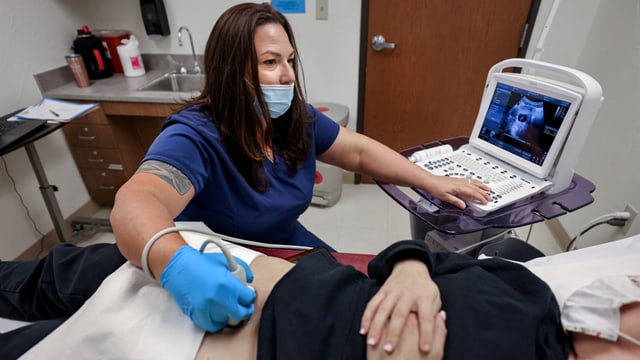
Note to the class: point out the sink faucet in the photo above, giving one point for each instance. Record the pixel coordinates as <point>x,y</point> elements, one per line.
<point>196,65</point>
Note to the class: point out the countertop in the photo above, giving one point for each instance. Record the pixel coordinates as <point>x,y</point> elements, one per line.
<point>58,83</point>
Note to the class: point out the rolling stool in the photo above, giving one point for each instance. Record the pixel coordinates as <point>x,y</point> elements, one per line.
<point>512,249</point>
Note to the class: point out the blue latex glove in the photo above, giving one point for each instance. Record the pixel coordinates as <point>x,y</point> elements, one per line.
<point>205,290</point>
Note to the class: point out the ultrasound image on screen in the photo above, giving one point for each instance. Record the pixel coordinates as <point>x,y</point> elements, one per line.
<point>522,122</point>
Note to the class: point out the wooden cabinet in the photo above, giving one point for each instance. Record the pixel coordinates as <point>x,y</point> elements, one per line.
<point>109,142</point>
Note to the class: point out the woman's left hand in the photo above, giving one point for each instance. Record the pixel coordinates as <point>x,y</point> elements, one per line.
<point>409,289</point>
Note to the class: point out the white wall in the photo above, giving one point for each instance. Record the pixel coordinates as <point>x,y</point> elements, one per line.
<point>601,38</point>
<point>34,36</point>
<point>328,48</point>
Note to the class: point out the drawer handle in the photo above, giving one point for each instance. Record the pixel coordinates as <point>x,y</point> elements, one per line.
<point>86,137</point>
<point>95,160</point>
<point>101,187</point>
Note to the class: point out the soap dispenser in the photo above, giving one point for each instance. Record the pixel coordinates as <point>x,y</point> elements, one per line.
<point>130,57</point>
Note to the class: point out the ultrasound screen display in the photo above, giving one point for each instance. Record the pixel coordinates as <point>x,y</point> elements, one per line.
<point>523,122</point>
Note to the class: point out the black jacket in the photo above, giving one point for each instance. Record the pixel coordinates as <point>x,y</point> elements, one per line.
<point>495,309</point>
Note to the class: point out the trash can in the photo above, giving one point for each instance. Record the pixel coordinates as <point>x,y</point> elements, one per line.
<point>328,185</point>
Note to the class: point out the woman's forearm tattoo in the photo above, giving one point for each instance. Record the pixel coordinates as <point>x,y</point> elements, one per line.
<point>168,173</point>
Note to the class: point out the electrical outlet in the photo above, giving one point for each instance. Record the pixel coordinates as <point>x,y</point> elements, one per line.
<point>632,215</point>
<point>322,9</point>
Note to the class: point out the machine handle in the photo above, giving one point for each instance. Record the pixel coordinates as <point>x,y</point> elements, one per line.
<point>586,82</point>
<point>378,43</point>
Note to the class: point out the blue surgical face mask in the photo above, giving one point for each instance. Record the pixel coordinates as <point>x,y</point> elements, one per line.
<point>277,97</point>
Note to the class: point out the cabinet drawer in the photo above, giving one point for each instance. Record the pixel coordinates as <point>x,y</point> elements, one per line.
<point>95,116</point>
<point>97,158</point>
<point>102,185</point>
<point>95,136</point>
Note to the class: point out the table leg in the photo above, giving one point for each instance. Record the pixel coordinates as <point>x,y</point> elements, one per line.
<point>47,190</point>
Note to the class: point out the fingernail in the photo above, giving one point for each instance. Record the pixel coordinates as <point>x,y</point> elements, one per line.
<point>443,315</point>
<point>388,347</point>
<point>371,341</point>
<point>362,331</point>
<point>426,347</point>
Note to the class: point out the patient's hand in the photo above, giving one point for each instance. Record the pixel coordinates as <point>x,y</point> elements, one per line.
<point>409,290</point>
<point>406,347</point>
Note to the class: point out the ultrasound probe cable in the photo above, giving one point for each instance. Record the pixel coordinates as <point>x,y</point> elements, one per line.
<point>232,265</point>
<point>237,271</point>
<point>231,262</point>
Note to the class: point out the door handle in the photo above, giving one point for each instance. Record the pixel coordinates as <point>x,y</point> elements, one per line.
<point>378,43</point>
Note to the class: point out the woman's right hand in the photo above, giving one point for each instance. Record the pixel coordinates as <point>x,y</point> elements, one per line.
<point>205,289</point>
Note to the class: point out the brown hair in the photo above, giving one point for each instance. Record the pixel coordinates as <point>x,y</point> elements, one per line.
<point>229,59</point>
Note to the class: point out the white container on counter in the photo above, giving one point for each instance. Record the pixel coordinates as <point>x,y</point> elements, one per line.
<point>130,57</point>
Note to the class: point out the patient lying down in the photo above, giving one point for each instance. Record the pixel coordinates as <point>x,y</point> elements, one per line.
<point>242,343</point>
<point>494,310</point>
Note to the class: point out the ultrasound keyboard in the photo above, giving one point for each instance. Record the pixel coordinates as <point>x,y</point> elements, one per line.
<point>506,185</point>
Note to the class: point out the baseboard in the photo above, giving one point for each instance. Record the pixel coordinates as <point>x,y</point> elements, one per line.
<point>41,247</point>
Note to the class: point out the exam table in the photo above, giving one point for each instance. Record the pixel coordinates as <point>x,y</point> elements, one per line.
<point>577,268</point>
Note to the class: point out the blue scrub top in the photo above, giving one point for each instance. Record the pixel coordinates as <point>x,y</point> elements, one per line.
<point>224,201</point>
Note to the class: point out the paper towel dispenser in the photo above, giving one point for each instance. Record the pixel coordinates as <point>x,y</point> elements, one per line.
<point>155,19</point>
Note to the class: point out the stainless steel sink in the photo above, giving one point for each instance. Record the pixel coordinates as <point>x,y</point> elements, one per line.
<point>175,82</point>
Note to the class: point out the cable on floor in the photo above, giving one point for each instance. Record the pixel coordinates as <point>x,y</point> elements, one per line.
<point>24,206</point>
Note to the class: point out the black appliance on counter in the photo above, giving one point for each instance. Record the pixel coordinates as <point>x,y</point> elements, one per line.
<point>93,54</point>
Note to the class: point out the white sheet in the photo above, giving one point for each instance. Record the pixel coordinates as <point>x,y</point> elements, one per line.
<point>567,272</point>
<point>121,320</point>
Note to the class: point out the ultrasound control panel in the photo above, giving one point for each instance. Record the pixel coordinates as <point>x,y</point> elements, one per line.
<point>506,186</point>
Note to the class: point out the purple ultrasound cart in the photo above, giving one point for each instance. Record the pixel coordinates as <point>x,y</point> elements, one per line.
<point>458,230</point>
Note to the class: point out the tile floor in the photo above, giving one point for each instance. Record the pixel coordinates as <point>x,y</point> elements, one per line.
<point>364,220</point>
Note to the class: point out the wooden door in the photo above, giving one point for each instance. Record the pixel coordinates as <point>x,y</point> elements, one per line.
<point>429,86</point>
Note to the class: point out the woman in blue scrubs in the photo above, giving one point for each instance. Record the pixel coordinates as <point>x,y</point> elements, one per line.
<point>241,158</point>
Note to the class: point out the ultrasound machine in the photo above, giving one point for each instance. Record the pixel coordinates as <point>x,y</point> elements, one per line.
<point>527,136</point>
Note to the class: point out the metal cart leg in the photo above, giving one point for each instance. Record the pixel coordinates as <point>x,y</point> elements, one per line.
<point>47,190</point>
